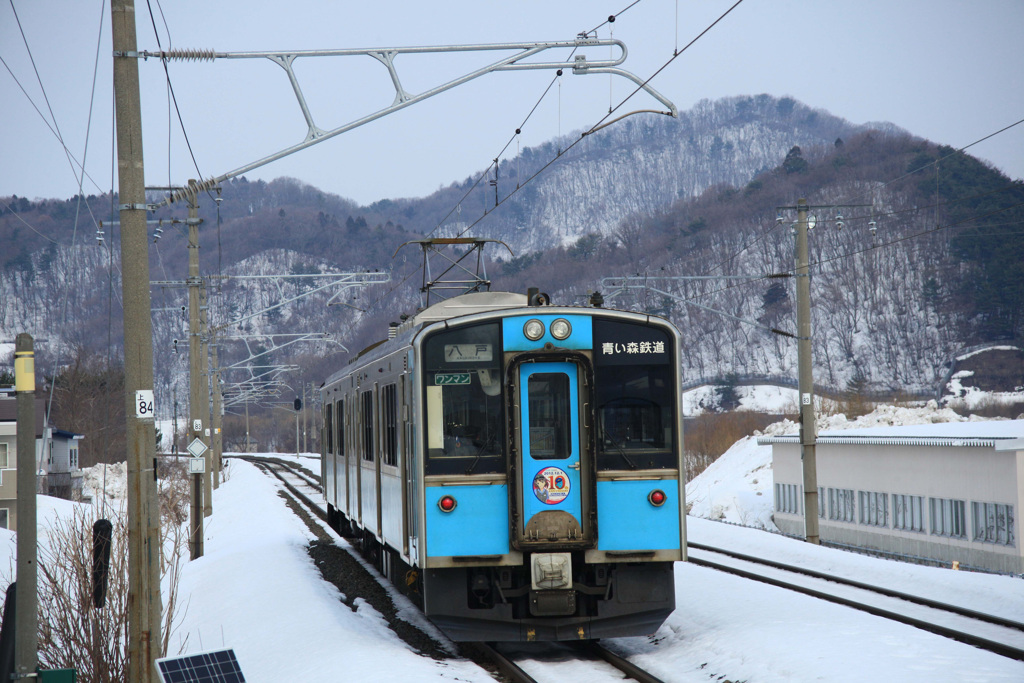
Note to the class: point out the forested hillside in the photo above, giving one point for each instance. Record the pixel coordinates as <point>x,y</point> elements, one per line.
<point>650,196</point>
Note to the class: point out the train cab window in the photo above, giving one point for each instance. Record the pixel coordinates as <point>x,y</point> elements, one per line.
<point>550,415</point>
<point>464,401</point>
<point>634,397</point>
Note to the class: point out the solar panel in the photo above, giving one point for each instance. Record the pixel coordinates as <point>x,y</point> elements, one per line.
<point>202,667</point>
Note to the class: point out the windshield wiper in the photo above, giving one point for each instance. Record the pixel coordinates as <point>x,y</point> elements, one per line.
<point>619,448</point>
<point>479,453</point>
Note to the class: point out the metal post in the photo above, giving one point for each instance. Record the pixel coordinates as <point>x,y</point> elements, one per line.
<point>143,548</point>
<point>25,637</point>
<point>808,430</point>
<point>204,360</point>
<point>248,447</point>
<point>195,404</point>
<point>297,411</point>
<point>305,421</point>
<point>217,437</point>
<point>174,433</point>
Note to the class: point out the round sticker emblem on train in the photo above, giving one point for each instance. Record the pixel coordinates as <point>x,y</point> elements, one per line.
<point>551,485</point>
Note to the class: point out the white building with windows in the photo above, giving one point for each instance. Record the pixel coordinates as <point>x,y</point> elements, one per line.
<point>947,492</point>
<point>56,458</point>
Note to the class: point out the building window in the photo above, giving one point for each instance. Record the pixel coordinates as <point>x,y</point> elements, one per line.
<point>821,502</point>
<point>874,508</point>
<point>73,458</point>
<point>907,512</point>
<point>4,517</point>
<point>841,505</point>
<point>788,498</point>
<point>948,517</point>
<point>4,463</point>
<point>993,523</point>
<point>389,408</point>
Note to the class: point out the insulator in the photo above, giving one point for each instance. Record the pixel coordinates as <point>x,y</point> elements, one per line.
<point>873,227</point>
<point>839,221</point>
<point>190,54</point>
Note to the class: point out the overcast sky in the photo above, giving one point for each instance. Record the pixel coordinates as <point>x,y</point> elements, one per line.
<point>946,70</point>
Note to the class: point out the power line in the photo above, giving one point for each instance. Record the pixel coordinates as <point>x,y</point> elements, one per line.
<point>170,87</point>
<point>600,124</point>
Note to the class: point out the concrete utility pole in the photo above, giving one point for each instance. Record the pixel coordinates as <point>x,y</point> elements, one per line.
<point>25,635</point>
<point>143,545</point>
<point>197,420</point>
<point>808,430</point>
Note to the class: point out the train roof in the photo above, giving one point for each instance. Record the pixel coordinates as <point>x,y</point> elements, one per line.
<point>457,307</point>
<point>467,304</point>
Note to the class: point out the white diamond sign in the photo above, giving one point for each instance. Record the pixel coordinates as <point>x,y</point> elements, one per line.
<point>197,447</point>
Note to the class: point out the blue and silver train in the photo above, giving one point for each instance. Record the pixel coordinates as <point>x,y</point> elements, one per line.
<point>515,467</point>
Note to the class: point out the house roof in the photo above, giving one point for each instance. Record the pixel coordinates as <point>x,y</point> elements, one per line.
<point>953,434</point>
<point>9,412</point>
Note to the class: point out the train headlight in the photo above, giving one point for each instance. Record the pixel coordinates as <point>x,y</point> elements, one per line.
<point>657,498</point>
<point>447,503</point>
<point>561,329</point>
<point>533,329</point>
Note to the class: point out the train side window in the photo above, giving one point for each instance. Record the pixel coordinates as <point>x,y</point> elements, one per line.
<point>329,427</point>
<point>366,416</point>
<point>389,410</point>
<point>464,397</point>
<point>340,407</point>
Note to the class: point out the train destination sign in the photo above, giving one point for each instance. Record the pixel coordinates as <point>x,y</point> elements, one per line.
<point>619,344</point>
<point>467,353</point>
<point>449,378</point>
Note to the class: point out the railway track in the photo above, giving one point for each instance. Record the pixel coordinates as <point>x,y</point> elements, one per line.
<point>989,632</point>
<point>577,661</point>
<point>992,633</point>
<point>294,480</point>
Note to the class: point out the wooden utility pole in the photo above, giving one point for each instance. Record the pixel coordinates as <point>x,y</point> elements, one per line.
<point>808,429</point>
<point>26,622</point>
<point>143,547</point>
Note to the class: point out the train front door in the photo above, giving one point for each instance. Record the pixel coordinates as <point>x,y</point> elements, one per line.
<point>551,491</point>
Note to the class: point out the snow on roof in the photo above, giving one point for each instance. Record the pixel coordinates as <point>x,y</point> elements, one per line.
<point>970,433</point>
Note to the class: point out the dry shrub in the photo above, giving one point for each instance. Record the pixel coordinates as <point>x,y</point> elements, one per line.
<point>854,405</point>
<point>707,436</point>
<point>988,407</point>
<point>72,632</point>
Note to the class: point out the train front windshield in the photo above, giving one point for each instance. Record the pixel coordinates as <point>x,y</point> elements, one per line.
<point>634,396</point>
<point>464,401</point>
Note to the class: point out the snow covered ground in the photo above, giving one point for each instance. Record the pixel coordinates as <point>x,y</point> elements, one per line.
<point>257,591</point>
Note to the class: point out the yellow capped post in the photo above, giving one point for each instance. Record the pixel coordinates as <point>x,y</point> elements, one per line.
<point>24,364</point>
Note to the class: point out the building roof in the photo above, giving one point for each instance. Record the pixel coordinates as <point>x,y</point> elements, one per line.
<point>9,412</point>
<point>953,434</point>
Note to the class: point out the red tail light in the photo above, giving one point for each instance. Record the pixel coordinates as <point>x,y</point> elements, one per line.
<point>657,498</point>
<point>447,503</point>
